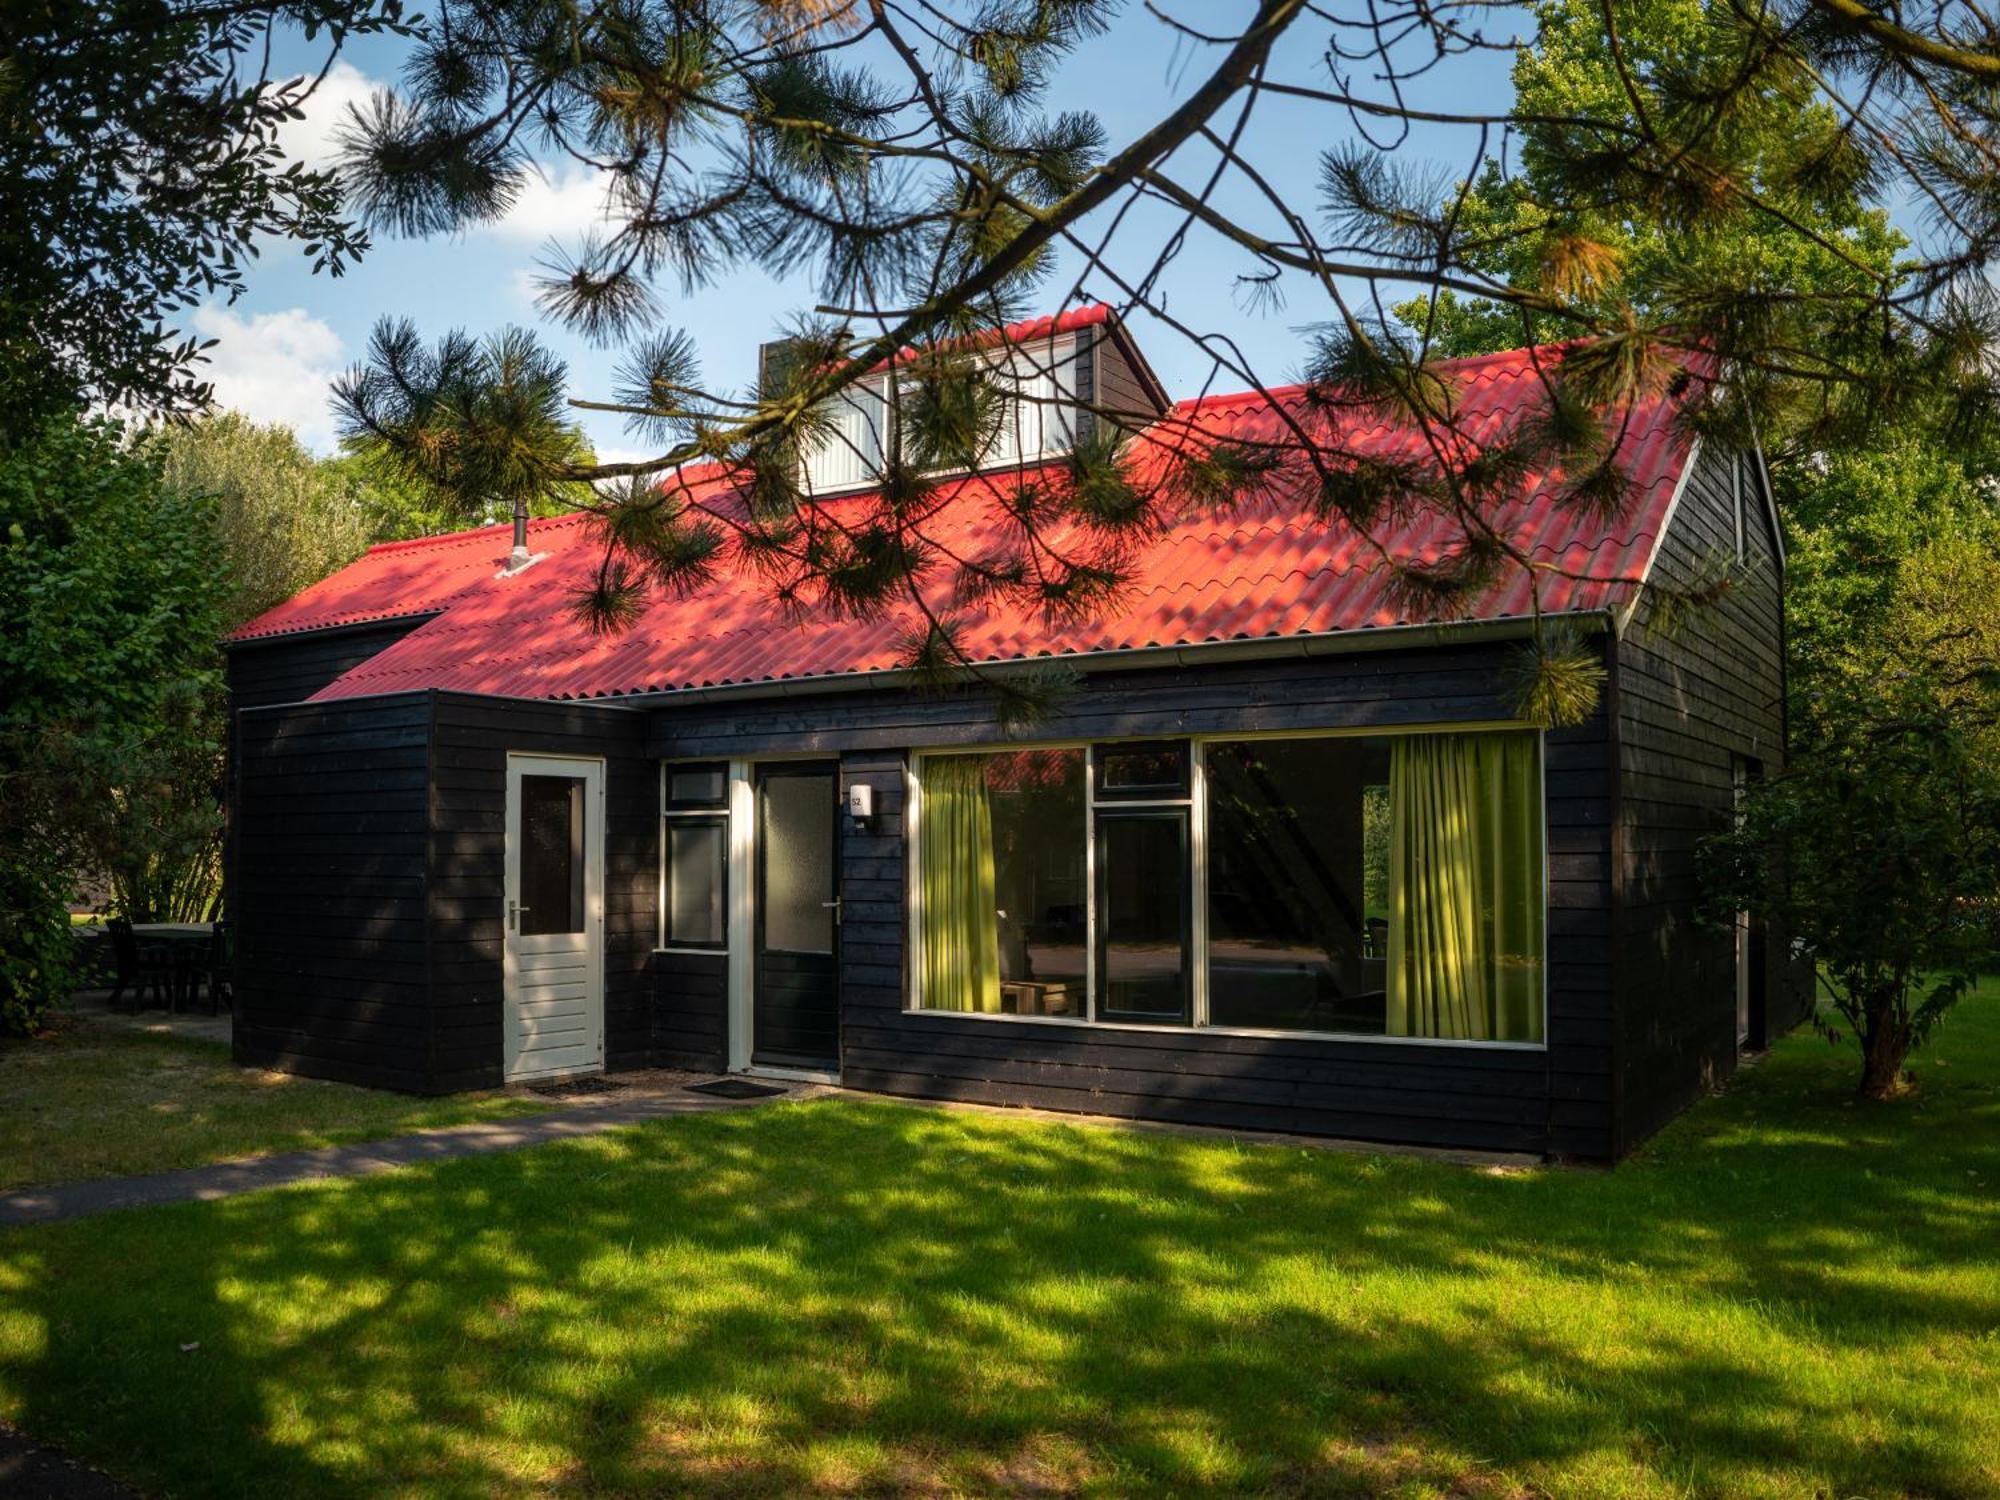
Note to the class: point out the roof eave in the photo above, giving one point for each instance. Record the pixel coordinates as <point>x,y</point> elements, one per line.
<point>280,637</point>
<point>1139,658</point>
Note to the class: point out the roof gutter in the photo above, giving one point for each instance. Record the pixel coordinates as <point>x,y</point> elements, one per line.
<point>1137,658</point>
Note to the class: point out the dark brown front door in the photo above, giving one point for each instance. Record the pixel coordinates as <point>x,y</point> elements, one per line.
<point>796,1010</point>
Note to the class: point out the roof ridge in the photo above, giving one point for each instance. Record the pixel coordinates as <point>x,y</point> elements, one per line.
<point>470,533</point>
<point>1475,363</point>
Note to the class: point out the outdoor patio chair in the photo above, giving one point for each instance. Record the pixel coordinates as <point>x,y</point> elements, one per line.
<point>214,966</point>
<point>96,963</point>
<point>143,967</point>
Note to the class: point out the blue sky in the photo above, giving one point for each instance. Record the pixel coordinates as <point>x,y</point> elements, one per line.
<point>282,342</point>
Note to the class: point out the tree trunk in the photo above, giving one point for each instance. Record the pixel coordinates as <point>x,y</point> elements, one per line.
<point>1885,1045</point>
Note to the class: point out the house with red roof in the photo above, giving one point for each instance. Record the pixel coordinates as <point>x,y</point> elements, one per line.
<point>1284,855</point>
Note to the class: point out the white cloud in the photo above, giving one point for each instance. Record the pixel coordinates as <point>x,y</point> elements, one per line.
<point>563,202</point>
<point>563,205</point>
<point>311,140</point>
<point>274,367</point>
<point>614,455</point>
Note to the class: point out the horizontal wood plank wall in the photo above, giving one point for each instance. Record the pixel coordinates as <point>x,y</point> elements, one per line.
<point>873,913</point>
<point>691,1011</point>
<point>1688,700</point>
<point>1118,389</point>
<point>1558,1100</point>
<point>330,826</point>
<point>473,736</point>
<point>291,668</point>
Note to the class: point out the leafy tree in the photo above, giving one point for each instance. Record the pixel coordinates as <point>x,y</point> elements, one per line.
<point>1945,615</point>
<point>392,508</point>
<point>141,169</point>
<point>1699,177</point>
<point>159,844</point>
<point>111,598</point>
<point>1879,847</point>
<point>285,519</point>
<point>1871,532</point>
<point>1569,215</point>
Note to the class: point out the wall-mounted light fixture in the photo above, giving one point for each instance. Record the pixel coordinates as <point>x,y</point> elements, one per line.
<point>860,806</point>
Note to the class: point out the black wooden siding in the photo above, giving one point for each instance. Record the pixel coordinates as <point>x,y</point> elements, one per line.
<point>332,977</point>
<point>1117,388</point>
<point>1529,1100</point>
<point>471,740</point>
<point>369,842</point>
<point>291,668</point>
<point>370,847</point>
<point>691,1011</point>
<point>1687,701</point>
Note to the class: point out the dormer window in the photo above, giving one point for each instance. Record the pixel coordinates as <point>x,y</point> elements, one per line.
<point>1052,385</point>
<point>850,457</point>
<point>1041,386</point>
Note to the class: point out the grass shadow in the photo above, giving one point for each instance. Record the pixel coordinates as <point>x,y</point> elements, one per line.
<point>1780,1295</point>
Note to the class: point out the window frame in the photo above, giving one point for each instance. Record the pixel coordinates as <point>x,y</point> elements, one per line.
<point>1195,803</point>
<point>1741,520</point>
<point>717,804</point>
<point>716,815</point>
<point>1180,816</point>
<point>1055,403</point>
<point>1174,792</point>
<point>850,457</point>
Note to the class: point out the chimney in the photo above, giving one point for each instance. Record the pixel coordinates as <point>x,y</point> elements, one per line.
<point>772,359</point>
<point>518,558</point>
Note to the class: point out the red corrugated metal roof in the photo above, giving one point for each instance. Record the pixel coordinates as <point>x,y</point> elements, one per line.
<point>1268,568</point>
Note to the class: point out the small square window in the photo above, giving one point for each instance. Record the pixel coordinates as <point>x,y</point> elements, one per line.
<point>697,786</point>
<point>1152,770</point>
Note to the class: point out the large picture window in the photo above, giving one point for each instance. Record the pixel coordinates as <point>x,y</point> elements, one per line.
<point>1349,885</point>
<point>1297,939</point>
<point>1003,883</point>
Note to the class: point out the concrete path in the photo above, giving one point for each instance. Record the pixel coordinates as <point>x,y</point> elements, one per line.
<point>363,1159</point>
<point>29,1471</point>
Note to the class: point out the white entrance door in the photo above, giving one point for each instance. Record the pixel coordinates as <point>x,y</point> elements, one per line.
<point>555,916</point>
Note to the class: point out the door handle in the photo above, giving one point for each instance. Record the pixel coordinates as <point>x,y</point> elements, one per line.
<point>514,910</point>
<point>834,907</point>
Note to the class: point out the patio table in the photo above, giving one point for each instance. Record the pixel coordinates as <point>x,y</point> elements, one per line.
<point>186,943</point>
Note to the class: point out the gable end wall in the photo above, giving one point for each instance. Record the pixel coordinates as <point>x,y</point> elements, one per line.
<point>1686,702</point>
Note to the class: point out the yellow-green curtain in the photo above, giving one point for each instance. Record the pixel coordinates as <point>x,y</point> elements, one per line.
<point>1465,887</point>
<point>955,856</point>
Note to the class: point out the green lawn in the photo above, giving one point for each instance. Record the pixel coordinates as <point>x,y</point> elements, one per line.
<point>1787,1295</point>
<point>95,1100</point>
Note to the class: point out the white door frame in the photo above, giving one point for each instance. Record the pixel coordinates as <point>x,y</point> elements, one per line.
<point>1739,778</point>
<point>742,925</point>
<point>588,1055</point>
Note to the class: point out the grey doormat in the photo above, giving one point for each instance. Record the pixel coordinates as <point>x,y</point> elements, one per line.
<point>734,1088</point>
